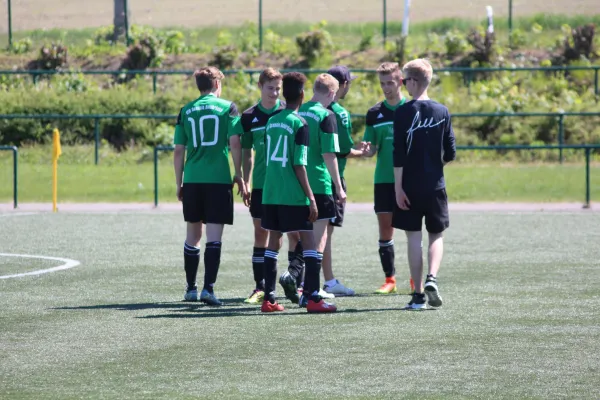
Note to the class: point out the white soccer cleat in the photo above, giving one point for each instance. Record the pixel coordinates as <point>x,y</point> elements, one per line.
<point>338,289</point>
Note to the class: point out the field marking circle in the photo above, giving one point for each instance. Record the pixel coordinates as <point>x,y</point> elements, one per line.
<point>68,263</point>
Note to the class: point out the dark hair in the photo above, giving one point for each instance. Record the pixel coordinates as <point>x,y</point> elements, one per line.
<point>293,85</point>
<point>206,77</point>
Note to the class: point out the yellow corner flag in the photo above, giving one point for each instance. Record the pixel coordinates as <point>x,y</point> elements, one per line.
<point>56,152</point>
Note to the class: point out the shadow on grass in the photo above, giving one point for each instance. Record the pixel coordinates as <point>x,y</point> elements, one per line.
<point>213,312</point>
<point>148,306</point>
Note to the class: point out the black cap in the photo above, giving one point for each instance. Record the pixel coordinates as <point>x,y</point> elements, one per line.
<point>341,73</point>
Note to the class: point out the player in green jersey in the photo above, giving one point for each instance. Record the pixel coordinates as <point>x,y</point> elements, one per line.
<point>289,204</point>
<point>206,128</point>
<point>379,133</point>
<point>347,150</point>
<point>254,121</point>
<point>323,172</point>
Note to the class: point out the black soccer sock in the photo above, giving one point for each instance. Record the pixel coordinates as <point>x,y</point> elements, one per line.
<point>387,256</point>
<point>212,260</point>
<point>270,274</point>
<point>296,266</point>
<point>258,260</point>
<point>313,272</point>
<point>191,259</point>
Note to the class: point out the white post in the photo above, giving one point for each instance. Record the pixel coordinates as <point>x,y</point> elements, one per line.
<point>490,16</point>
<point>405,20</point>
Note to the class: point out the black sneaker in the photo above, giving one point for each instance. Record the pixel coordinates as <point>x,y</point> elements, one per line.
<point>288,283</point>
<point>417,302</point>
<point>431,290</point>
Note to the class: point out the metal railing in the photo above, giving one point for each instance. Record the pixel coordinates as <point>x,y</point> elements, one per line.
<point>560,116</point>
<point>587,148</point>
<point>468,72</point>
<point>15,151</point>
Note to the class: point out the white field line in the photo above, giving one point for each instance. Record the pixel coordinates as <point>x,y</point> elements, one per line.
<point>67,263</point>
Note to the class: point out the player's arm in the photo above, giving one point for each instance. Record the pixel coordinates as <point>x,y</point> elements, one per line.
<point>247,153</point>
<point>399,159</point>
<point>235,144</point>
<point>329,149</point>
<point>300,161</point>
<point>448,141</point>
<point>180,142</point>
<point>371,139</point>
<point>345,138</point>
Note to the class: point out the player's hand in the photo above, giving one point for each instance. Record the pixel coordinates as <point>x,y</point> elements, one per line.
<point>180,193</point>
<point>247,197</point>
<point>239,181</point>
<point>314,212</point>
<point>402,200</point>
<point>341,195</point>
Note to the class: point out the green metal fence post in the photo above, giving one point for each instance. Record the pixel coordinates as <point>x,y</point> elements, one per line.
<point>587,177</point>
<point>155,176</point>
<point>15,177</point>
<point>9,25</point>
<point>384,22</point>
<point>96,139</point>
<point>596,82</point>
<point>510,22</point>
<point>561,136</point>
<point>127,37</point>
<point>260,26</point>
<point>154,82</point>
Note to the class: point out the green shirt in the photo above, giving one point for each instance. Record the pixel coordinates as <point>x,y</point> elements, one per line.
<point>380,132</point>
<point>286,138</point>
<point>254,121</point>
<point>204,126</point>
<point>323,139</point>
<point>344,127</point>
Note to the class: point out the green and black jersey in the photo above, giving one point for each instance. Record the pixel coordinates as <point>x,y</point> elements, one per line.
<point>323,139</point>
<point>204,126</point>
<point>286,142</point>
<point>344,127</point>
<point>254,121</point>
<point>380,132</point>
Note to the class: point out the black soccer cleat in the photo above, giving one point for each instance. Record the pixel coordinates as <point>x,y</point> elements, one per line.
<point>288,283</point>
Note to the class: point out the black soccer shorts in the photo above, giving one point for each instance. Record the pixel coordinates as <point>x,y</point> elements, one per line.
<point>211,203</point>
<point>385,197</point>
<point>432,207</point>
<point>340,209</point>
<point>283,218</point>
<point>256,205</point>
<point>326,206</point>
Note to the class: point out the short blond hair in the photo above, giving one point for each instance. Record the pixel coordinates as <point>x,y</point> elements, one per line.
<point>326,83</point>
<point>206,77</point>
<point>419,69</point>
<point>389,68</point>
<point>269,74</point>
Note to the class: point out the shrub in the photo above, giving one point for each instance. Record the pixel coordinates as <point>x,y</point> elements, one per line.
<point>52,57</point>
<point>315,44</point>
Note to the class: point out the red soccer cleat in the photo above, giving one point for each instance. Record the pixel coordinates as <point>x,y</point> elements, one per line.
<point>320,307</point>
<point>267,306</point>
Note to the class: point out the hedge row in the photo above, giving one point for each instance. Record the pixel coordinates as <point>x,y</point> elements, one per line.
<point>541,93</point>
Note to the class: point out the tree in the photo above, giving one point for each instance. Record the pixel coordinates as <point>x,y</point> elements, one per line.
<point>119,21</point>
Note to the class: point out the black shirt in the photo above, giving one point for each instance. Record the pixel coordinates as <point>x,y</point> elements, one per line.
<point>423,143</point>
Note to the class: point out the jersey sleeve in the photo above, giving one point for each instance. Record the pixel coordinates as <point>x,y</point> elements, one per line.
<point>301,142</point>
<point>370,135</point>
<point>449,141</point>
<point>234,122</point>
<point>400,138</point>
<point>329,136</point>
<point>344,133</point>
<point>180,137</point>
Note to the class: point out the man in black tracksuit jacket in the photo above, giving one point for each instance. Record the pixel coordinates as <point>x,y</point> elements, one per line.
<point>423,143</point>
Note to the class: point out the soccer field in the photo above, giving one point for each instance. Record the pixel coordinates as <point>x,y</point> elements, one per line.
<point>520,318</point>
